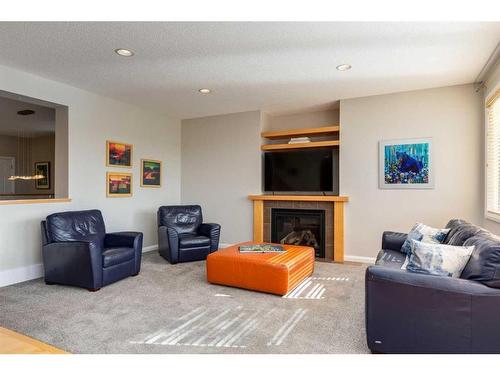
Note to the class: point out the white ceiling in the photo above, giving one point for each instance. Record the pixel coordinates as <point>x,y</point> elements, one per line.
<point>42,122</point>
<point>275,67</point>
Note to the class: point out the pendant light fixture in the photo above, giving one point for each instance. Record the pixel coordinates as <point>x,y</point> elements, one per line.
<point>24,154</point>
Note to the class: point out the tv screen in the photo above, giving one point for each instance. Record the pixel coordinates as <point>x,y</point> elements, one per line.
<point>310,170</point>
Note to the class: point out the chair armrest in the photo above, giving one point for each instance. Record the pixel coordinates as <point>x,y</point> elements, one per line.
<point>212,231</point>
<point>127,239</point>
<point>415,313</point>
<point>393,240</point>
<point>122,239</point>
<point>168,243</point>
<point>76,263</point>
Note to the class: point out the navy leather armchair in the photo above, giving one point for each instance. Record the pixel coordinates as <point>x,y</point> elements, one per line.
<point>182,235</point>
<point>77,250</point>
<point>417,313</point>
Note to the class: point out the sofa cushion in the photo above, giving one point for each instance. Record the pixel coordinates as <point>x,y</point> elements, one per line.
<point>484,264</point>
<point>461,231</point>
<point>438,259</point>
<point>77,226</point>
<point>424,233</point>
<point>117,255</point>
<point>193,241</point>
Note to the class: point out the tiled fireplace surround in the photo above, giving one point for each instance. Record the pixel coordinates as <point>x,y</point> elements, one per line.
<point>327,206</point>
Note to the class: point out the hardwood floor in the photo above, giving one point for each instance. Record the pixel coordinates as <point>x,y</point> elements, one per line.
<point>15,343</point>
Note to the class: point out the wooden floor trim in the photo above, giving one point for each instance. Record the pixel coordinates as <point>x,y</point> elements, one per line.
<point>15,343</point>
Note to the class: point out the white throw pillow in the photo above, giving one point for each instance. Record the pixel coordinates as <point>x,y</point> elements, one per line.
<point>424,233</point>
<point>437,259</point>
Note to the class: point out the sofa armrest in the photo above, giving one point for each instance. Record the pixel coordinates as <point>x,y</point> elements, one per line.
<point>168,243</point>
<point>416,313</point>
<point>393,240</point>
<point>212,231</point>
<point>76,263</point>
<point>127,239</point>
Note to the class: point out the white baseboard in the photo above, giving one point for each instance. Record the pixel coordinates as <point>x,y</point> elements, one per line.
<point>224,245</point>
<point>355,258</point>
<point>18,275</point>
<point>149,248</point>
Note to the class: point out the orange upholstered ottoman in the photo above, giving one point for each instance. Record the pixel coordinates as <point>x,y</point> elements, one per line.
<point>271,273</point>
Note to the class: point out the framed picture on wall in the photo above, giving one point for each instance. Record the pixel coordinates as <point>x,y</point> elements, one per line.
<point>42,169</point>
<point>118,154</point>
<point>150,173</point>
<point>118,184</point>
<point>406,164</point>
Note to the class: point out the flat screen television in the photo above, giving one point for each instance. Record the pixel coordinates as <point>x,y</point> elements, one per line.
<point>301,171</point>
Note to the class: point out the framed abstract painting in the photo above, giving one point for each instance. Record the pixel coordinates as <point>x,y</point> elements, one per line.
<point>406,164</point>
<point>118,184</point>
<point>150,173</point>
<point>42,169</point>
<point>118,154</point>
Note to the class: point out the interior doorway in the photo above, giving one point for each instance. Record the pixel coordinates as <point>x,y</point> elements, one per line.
<point>7,169</point>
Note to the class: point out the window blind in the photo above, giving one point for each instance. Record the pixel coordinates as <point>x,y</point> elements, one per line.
<point>493,156</point>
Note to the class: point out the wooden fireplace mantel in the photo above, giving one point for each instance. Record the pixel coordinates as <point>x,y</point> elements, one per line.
<point>338,217</point>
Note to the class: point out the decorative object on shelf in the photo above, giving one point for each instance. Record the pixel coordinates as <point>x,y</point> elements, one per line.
<point>118,184</point>
<point>406,164</point>
<point>118,154</point>
<point>299,140</point>
<point>42,169</point>
<point>150,173</point>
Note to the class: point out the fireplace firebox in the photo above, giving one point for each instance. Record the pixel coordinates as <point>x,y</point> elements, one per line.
<point>299,227</point>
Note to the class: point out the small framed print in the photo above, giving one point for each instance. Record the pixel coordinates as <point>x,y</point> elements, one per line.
<point>42,169</point>
<point>118,154</point>
<point>150,173</point>
<point>118,184</point>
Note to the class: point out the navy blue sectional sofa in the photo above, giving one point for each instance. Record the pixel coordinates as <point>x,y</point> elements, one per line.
<point>417,313</point>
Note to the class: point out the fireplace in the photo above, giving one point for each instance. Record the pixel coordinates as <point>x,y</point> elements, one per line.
<point>299,227</point>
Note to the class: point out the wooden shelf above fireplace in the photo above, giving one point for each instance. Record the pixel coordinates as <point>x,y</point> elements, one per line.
<point>317,135</point>
<point>304,132</point>
<point>303,198</point>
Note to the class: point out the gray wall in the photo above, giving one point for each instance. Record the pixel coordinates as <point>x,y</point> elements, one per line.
<point>221,166</point>
<point>452,116</point>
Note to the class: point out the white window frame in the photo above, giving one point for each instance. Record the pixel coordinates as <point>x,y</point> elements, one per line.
<point>491,215</point>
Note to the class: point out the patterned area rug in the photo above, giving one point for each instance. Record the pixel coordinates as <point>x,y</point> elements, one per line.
<point>172,309</point>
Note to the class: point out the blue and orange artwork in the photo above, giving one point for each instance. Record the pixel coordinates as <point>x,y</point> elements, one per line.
<point>406,163</point>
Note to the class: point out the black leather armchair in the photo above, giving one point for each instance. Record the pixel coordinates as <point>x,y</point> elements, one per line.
<point>182,235</point>
<point>77,250</point>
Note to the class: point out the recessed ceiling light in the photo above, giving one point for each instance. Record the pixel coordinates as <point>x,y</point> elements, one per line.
<point>205,91</point>
<point>343,67</point>
<point>26,112</point>
<point>124,52</point>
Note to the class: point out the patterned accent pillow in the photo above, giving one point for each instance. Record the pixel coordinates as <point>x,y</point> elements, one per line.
<point>424,233</point>
<point>438,259</point>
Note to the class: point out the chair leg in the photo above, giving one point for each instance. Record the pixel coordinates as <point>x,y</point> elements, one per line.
<point>93,289</point>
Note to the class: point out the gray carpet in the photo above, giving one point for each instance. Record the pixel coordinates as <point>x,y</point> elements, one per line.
<point>172,309</point>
